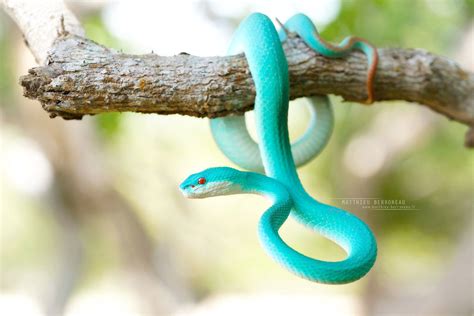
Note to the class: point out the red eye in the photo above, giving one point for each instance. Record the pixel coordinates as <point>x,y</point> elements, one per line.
<point>201,180</point>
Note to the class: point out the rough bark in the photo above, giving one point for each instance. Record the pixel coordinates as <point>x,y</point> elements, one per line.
<point>82,77</point>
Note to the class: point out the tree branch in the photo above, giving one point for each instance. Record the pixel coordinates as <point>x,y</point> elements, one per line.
<point>84,78</point>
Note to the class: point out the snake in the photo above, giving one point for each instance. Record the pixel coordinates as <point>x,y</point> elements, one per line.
<point>259,40</point>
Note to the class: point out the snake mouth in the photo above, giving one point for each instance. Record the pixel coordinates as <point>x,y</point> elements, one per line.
<point>215,188</point>
<point>190,191</point>
<point>188,194</point>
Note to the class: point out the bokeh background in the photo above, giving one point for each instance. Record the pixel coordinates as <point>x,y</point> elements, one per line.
<point>93,223</point>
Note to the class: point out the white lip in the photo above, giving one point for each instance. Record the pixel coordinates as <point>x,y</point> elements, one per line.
<point>211,189</point>
<point>188,194</point>
<point>185,193</point>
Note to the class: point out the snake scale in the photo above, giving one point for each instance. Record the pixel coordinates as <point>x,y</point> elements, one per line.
<point>257,37</point>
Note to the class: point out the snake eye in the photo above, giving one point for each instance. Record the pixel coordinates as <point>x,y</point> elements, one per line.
<point>201,180</point>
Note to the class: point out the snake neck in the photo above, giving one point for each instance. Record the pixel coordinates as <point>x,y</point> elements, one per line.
<point>262,185</point>
<point>276,192</point>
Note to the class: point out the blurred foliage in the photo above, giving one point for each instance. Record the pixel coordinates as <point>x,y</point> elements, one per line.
<point>435,173</point>
<point>6,71</point>
<point>97,31</point>
<point>429,24</point>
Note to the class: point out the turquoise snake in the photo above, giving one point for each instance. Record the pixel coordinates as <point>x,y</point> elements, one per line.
<point>261,43</point>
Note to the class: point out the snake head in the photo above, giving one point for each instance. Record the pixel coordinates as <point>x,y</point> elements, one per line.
<point>212,182</point>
